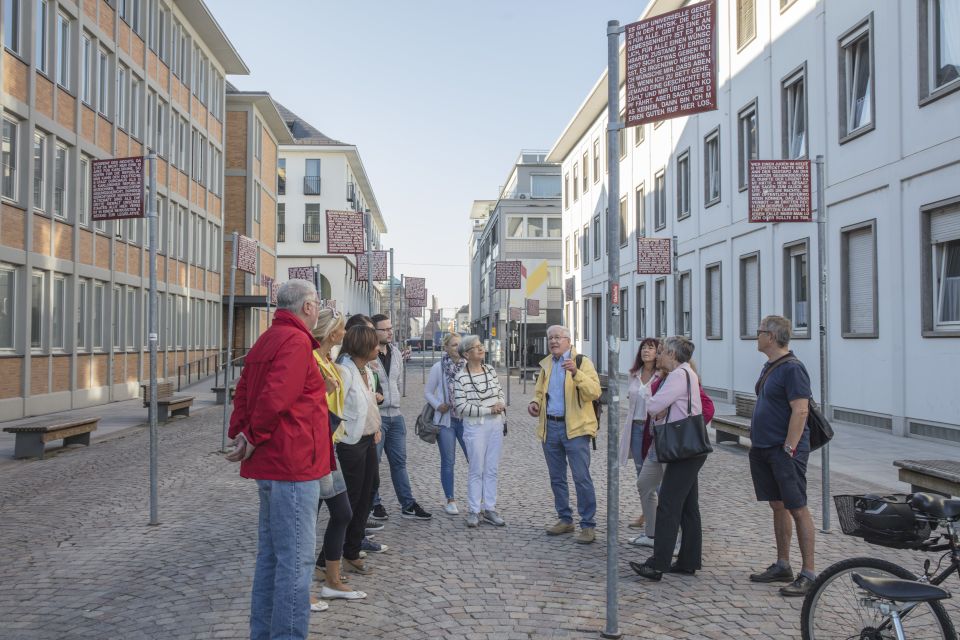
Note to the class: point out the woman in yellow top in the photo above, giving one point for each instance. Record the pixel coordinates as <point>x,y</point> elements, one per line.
<point>329,332</point>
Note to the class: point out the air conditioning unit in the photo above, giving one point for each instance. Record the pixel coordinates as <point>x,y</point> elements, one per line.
<point>523,196</point>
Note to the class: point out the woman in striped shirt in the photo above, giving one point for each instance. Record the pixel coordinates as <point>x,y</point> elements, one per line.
<point>478,398</point>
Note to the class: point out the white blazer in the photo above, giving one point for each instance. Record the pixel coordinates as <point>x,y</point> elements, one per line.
<point>355,401</point>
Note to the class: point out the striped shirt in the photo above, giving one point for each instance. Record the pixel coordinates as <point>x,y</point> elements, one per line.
<point>475,394</point>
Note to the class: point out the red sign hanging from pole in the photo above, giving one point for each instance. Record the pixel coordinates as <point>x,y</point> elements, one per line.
<point>345,232</point>
<point>117,189</point>
<point>653,256</point>
<point>415,288</point>
<point>247,249</point>
<point>533,307</point>
<point>300,273</point>
<point>780,191</point>
<point>671,66</point>
<point>379,266</point>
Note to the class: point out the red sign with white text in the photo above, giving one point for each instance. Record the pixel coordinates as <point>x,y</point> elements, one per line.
<point>344,232</point>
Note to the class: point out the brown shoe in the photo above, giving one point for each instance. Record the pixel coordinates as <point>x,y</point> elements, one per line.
<point>357,566</point>
<point>560,528</point>
<point>586,536</point>
<point>639,523</point>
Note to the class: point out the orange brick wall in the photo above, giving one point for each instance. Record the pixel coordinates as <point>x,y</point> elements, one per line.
<point>61,373</point>
<point>15,77</point>
<point>41,235</point>
<point>11,377</point>
<point>44,96</point>
<point>11,226</point>
<point>39,374</point>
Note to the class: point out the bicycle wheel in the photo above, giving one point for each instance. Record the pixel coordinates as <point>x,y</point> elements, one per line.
<point>832,609</point>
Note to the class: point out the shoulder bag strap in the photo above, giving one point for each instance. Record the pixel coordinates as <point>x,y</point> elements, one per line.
<point>689,398</point>
<point>763,379</point>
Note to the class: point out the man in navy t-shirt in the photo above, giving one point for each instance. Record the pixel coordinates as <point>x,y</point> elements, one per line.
<point>780,442</point>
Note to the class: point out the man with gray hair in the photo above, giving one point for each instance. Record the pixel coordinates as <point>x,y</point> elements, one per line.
<point>280,425</point>
<point>780,447</point>
<point>567,385</point>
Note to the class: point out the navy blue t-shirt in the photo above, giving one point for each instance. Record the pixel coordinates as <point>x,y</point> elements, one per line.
<point>771,416</point>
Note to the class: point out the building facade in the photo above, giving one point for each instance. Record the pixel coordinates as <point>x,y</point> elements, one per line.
<point>869,86</point>
<point>320,174</point>
<point>524,225</point>
<point>96,79</point>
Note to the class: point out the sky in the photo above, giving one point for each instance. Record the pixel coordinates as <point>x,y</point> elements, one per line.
<point>438,96</point>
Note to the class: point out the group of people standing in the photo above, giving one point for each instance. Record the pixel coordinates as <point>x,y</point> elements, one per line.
<point>318,403</point>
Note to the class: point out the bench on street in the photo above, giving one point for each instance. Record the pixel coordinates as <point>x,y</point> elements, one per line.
<point>732,428</point>
<point>164,390</point>
<point>937,476</point>
<point>173,406</point>
<point>221,393</point>
<point>31,438</point>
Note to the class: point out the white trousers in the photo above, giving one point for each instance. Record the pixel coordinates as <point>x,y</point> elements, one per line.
<point>484,443</point>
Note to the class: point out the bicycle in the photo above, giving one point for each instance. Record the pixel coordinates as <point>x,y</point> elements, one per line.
<point>872,599</point>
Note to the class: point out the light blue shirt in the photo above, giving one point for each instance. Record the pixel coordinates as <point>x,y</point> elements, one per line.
<point>558,375</point>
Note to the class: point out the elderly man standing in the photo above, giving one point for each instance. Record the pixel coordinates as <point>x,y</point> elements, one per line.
<point>567,385</point>
<point>282,438</point>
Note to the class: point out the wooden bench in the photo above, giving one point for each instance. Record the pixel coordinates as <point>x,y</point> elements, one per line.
<point>732,428</point>
<point>173,406</point>
<point>937,476</point>
<point>164,390</point>
<point>221,393</point>
<point>32,438</point>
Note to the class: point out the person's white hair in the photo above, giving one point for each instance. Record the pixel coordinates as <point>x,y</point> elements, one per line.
<point>467,343</point>
<point>293,293</point>
<point>565,332</point>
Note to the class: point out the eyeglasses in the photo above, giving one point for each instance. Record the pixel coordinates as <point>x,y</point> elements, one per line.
<point>759,331</point>
<point>557,338</point>
<point>386,329</point>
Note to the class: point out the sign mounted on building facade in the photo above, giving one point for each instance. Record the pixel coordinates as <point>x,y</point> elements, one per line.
<point>247,249</point>
<point>117,189</point>
<point>653,256</point>
<point>344,232</point>
<point>780,191</point>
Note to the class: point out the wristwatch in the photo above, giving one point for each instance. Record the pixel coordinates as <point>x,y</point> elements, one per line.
<point>788,449</point>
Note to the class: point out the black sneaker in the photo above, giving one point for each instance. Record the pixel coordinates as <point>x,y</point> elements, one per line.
<point>798,588</point>
<point>773,573</point>
<point>414,511</point>
<point>379,513</point>
<point>372,526</point>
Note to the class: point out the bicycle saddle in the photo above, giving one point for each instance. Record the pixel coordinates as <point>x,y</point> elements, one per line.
<point>936,506</point>
<point>900,590</point>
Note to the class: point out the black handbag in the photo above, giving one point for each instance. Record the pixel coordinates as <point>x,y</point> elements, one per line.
<point>682,439</point>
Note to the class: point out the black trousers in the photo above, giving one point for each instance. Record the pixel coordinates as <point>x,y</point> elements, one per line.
<point>333,537</point>
<point>679,508</point>
<point>360,472</point>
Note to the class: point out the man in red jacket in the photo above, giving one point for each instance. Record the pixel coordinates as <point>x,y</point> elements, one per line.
<point>281,434</point>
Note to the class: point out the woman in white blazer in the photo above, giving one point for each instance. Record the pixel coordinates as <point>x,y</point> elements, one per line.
<point>439,393</point>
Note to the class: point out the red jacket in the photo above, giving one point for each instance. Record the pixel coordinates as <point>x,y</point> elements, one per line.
<point>280,406</point>
<point>705,402</point>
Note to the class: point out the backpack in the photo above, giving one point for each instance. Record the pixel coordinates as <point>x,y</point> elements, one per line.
<point>597,406</point>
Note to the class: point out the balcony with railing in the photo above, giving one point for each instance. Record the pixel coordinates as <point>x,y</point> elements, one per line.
<point>312,232</point>
<point>311,185</point>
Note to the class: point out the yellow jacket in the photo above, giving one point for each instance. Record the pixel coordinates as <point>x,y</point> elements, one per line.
<point>579,392</point>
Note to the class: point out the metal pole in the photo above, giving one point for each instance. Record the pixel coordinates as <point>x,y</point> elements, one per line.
<point>405,329</point>
<point>423,345</point>
<point>368,219</point>
<point>523,351</point>
<point>506,335</point>
<point>612,628</point>
<point>228,365</point>
<point>392,318</point>
<point>152,334</point>
<point>269,295</point>
<point>824,396</point>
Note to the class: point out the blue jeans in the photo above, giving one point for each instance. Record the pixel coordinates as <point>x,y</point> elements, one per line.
<point>394,442</point>
<point>447,441</point>
<point>636,443</point>
<point>559,450</point>
<point>286,543</point>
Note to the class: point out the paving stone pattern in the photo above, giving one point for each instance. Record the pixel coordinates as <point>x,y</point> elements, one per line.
<point>79,560</point>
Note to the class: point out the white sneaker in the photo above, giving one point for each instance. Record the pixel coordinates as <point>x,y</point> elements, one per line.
<point>319,605</point>
<point>676,549</point>
<point>330,594</point>
<point>451,509</point>
<point>641,541</point>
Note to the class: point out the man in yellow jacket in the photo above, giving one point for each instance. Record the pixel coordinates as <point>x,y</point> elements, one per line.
<point>563,400</point>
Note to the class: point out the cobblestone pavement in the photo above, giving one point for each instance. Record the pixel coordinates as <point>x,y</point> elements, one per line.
<point>79,560</point>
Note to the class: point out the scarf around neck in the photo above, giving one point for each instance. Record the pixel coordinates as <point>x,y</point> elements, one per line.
<point>450,370</point>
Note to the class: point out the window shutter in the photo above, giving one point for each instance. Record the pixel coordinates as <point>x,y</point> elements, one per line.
<point>751,294</point>
<point>945,226</point>
<point>715,302</point>
<point>860,275</point>
<point>746,21</point>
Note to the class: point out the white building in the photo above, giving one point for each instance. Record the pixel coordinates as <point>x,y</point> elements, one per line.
<point>871,87</point>
<point>317,174</point>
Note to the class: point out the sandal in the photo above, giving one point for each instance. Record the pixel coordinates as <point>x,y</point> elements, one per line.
<point>358,566</point>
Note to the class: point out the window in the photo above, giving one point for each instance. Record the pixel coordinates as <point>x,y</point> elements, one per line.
<point>131,332</point>
<point>796,287</point>
<point>639,211</point>
<point>8,305</point>
<point>597,239</point>
<point>573,319</point>
<point>660,305</point>
<point>939,49</point>
<point>746,22</point>
<point>623,222</point>
<point>586,172</point>
<point>747,143</point>
<point>660,201</point>
<point>103,82</point>
<point>856,81</point>
<point>116,317</point>
<point>535,227</point>
<point>576,181</point>
<point>59,317</point>
<point>711,168</point>
<point>585,249</point>
<point>60,181</point>
<point>622,136</point>
<point>749,296</point>
<point>566,253</point>
<point>282,177</point>
<point>136,98</point>
<point>38,291</point>
<point>545,186</point>
<point>8,160</point>
<point>639,134</point>
<point>63,50</point>
<point>160,123</point>
<point>86,69</point>
<point>83,288</point>
<point>554,227</point>
<point>163,47</point>
<point>566,191</point>
<point>96,318</point>
<point>122,107</point>
<point>576,249</point>
<point>586,319</point>
<point>596,160</point>
<point>685,320</point>
<point>858,264</point>
<point>203,171</point>
<point>11,25</point>
<point>182,143</point>
<point>257,202</point>
<point>683,185</point>
<point>641,304</point>
<point>39,162</point>
<point>713,301</point>
<point>941,254</point>
<point>624,313</point>
<point>42,42</point>
<point>258,139</point>
<point>794,114</point>
<point>84,189</point>
<point>311,179</point>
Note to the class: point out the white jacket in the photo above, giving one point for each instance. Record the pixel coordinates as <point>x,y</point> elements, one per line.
<point>355,401</point>
<point>436,393</point>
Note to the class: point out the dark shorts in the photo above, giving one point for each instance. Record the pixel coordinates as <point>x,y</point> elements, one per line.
<point>778,477</point>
